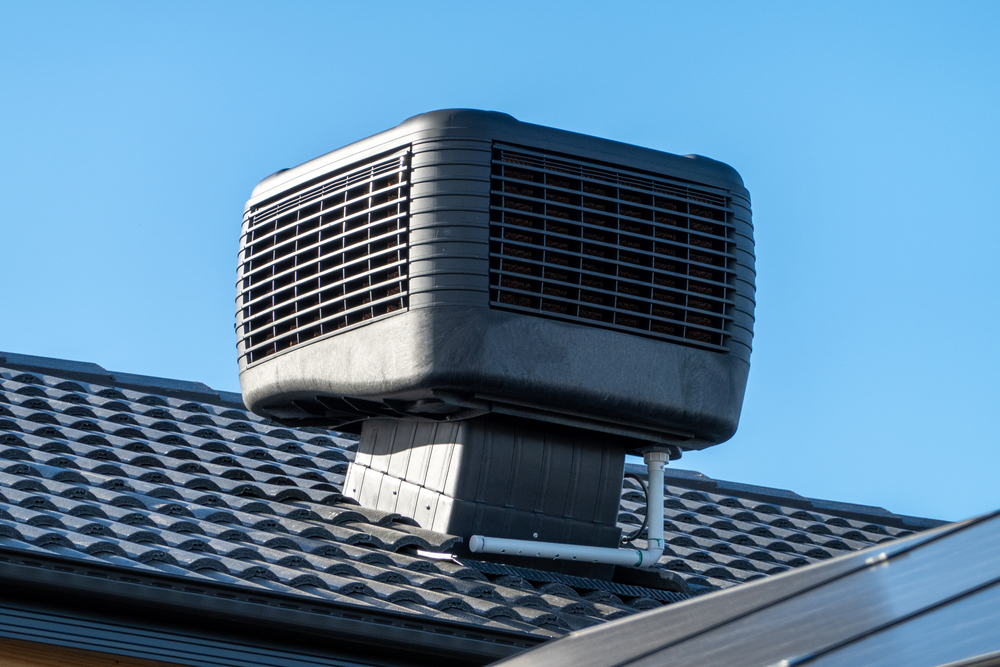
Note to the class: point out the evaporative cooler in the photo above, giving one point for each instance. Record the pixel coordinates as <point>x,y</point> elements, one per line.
<point>502,311</point>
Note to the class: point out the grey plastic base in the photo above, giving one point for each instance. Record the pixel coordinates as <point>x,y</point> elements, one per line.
<point>497,475</point>
<point>474,359</point>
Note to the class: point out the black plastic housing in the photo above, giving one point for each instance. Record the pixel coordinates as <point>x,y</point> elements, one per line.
<point>465,263</point>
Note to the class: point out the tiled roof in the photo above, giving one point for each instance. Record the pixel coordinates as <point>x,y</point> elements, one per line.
<point>172,478</point>
<point>719,534</point>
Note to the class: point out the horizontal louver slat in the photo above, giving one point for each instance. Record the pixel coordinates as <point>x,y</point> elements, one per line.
<point>611,248</point>
<point>326,256</point>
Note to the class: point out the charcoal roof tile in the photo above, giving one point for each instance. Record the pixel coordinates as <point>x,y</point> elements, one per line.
<point>174,478</point>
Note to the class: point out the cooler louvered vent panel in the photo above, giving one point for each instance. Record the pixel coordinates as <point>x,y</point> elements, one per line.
<point>587,243</point>
<point>329,255</point>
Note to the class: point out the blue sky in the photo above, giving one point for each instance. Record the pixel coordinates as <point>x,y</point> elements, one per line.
<point>867,134</point>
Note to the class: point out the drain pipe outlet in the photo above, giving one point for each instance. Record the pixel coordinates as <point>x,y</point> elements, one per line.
<point>655,460</point>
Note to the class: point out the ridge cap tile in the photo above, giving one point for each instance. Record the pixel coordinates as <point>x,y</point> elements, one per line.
<point>96,375</point>
<point>9,359</point>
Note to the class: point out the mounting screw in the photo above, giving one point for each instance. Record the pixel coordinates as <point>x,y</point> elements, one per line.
<point>393,493</point>
<point>535,535</point>
<point>428,507</point>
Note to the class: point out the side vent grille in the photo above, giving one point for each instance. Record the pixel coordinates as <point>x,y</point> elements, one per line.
<point>587,243</point>
<point>326,256</point>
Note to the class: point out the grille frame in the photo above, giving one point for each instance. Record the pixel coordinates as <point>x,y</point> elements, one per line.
<point>598,245</point>
<point>324,257</point>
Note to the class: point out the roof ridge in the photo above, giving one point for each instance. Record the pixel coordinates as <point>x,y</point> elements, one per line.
<point>92,373</point>
<point>691,479</point>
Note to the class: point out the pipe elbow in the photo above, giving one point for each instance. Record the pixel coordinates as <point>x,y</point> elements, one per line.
<point>649,557</point>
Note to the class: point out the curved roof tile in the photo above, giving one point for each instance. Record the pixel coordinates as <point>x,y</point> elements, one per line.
<point>187,485</point>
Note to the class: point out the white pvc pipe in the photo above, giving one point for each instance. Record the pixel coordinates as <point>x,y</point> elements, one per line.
<point>632,557</point>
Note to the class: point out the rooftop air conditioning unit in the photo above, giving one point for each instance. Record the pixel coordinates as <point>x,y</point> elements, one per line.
<point>502,310</point>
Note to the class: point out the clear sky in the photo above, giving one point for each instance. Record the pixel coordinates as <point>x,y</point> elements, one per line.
<point>867,134</point>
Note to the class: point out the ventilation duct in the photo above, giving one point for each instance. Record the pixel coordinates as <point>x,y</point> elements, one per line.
<point>502,310</point>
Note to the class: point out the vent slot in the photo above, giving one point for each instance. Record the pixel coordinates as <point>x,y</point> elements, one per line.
<point>592,244</point>
<point>329,255</point>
